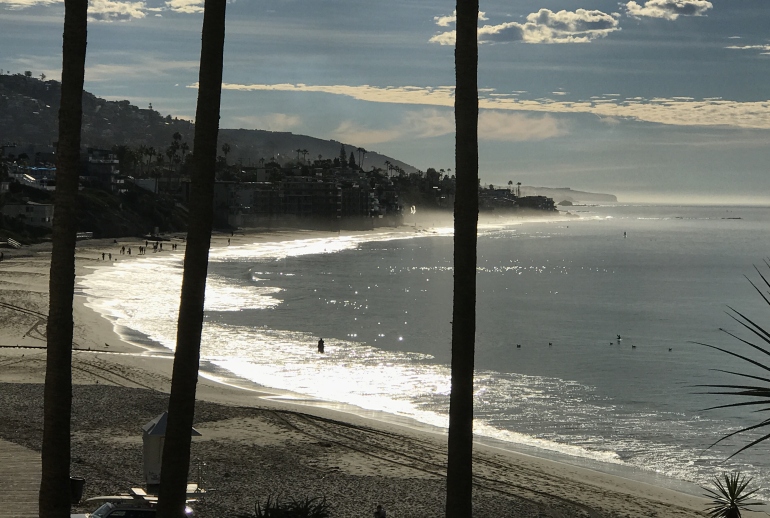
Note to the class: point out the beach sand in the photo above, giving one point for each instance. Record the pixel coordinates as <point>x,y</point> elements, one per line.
<point>256,443</point>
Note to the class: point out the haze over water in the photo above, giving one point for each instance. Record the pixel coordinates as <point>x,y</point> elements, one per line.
<point>384,310</point>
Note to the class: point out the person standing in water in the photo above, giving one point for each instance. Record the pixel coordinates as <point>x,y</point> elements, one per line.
<point>321,345</point>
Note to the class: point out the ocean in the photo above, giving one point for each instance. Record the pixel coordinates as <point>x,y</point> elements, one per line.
<point>552,377</point>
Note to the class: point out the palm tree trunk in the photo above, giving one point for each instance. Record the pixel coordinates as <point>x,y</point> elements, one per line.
<point>181,407</point>
<point>54,498</point>
<point>460,449</point>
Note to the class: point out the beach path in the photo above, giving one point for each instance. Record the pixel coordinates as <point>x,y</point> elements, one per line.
<point>19,480</point>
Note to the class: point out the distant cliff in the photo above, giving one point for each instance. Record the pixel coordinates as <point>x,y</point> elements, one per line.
<point>560,194</point>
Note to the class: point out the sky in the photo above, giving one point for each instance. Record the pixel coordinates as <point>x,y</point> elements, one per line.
<point>650,100</point>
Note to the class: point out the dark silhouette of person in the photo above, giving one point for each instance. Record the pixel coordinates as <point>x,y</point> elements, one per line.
<point>379,512</point>
<point>321,345</point>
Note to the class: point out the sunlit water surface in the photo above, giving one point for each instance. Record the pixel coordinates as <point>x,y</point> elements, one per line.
<point>562,290</point>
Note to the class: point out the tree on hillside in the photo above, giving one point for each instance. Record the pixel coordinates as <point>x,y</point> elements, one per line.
<point>54,499</point>
<point>352,161</point>
<point>226,150</point>
<point>343,155</point>
<point>181,407</point>
<point>460,445</point>
<point>141,151</point>
<point>361,156</point>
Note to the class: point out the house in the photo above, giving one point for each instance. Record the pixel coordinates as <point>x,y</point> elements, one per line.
<point>31,213</point>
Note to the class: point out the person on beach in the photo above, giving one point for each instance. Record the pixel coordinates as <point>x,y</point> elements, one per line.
<point>321,345</point>
<point>379,512</point>
<point>102,256</point>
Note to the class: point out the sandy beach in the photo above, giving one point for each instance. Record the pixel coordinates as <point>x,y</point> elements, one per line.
<point>256,443</point>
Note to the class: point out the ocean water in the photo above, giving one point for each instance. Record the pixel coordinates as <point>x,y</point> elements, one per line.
<point>563,290</point>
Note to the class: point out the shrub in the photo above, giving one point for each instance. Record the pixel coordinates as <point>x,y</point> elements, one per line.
<point>274,508</point>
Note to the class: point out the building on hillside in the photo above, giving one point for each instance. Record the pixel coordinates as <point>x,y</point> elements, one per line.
<point>102,167</point>
<point>42,178</point>
<point>536,202</point>
<point>30,213</point>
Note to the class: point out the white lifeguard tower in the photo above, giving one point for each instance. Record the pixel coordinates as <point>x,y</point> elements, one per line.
<point>153,437</point>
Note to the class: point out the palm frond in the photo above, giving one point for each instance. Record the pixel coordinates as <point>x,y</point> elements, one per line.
<point>759,395</point>
<point>754,327</point>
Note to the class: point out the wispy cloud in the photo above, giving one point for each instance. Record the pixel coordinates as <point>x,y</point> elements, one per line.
<point>271,122</point>
<point>146,65</point>
<point>518,127</point>
<point>23,4</point>
<point>350,131</point>
<point>496,126</point>
<point>668,9</point>
<point>680,111</point>
<point>544,26</point>
<point>429,96</point>
<point>112,10</point>
<point>763,49</point>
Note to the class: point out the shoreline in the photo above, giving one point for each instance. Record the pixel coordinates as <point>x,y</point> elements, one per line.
<point>97,337</point>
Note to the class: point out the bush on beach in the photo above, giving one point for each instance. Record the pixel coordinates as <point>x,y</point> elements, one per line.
<point>274,508</point>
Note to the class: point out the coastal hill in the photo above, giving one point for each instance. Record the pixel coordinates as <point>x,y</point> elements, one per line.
<point>560,194</point>
<point>28,117</point>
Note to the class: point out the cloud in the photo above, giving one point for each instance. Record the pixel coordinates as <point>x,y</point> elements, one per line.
<point>137,66</point>
<point>271,122</point>
<point>544,26</point>
<point>350,131</point>
<point>668,9</point>
<point>445,21</point>
<point>429,123</point>
<point>185,6</point>
<point>23,4</point>
<point>683,111</point>
<point>517,127</point>
<point>764,49</point>
<point>111,10</point>
<point>98,10</point>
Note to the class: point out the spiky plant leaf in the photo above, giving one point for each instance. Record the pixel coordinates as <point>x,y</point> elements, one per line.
<point>728,497</point>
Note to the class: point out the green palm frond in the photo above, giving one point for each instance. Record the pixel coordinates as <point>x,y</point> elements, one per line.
<point>729,496</point>
<point>754,395</point>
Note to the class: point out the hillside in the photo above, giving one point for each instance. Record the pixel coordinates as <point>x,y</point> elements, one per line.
<point>28,117</point>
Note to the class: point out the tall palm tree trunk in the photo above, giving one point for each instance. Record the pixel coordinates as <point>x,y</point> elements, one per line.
<point>54,496</point>
<point>181,407</point>
<point>460,449</point>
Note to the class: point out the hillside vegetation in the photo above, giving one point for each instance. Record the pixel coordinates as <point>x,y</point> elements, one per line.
<point>28,117</point>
